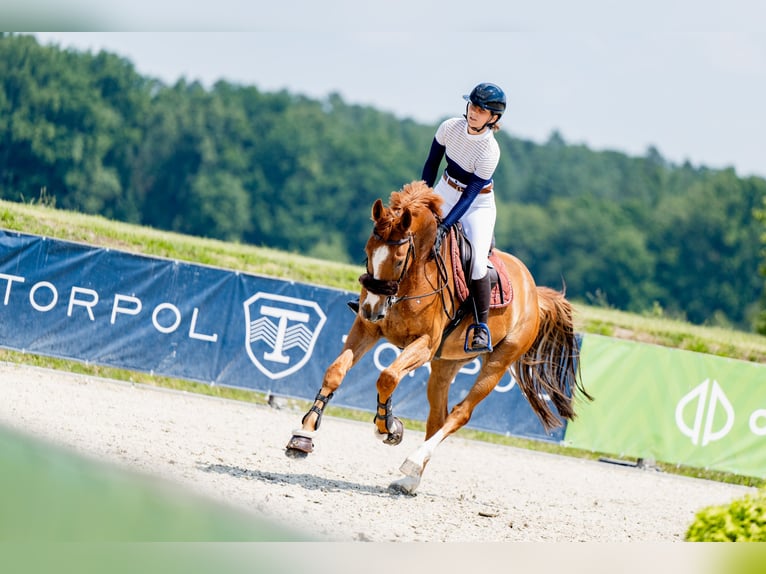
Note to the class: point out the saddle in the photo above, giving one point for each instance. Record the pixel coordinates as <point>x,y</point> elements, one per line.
<point>462,264</point>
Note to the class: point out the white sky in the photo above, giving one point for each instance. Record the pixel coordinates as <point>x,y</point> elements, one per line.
<point>687,76</point>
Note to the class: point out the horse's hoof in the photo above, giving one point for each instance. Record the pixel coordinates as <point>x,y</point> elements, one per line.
<point>299,447</point>
<point>396,434</point>
<point>295,453</point>
<point>411,469</point>
<point>412,472</point>
<point>407,485</point>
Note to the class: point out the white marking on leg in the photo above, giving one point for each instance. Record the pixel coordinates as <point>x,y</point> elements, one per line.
<point>423,454</point>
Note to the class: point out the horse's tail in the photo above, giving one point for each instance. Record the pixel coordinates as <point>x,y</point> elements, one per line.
<point>551,366</point>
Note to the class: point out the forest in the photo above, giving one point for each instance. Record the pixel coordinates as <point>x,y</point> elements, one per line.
<point>86,132</point>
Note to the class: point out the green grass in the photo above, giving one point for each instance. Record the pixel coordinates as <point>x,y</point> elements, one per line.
<point>94,230</point>
<point>672,333</point>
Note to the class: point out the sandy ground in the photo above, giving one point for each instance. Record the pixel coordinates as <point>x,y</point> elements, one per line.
<point>234,452</point>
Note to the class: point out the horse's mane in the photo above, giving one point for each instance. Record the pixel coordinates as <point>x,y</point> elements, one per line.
<point>415,196</point>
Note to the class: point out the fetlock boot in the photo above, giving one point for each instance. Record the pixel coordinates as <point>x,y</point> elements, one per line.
<point>477,337</point>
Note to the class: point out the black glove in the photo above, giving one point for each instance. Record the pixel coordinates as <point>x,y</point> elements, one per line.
<point>441,231</point>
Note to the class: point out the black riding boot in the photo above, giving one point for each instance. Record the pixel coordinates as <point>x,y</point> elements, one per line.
<point>477,337</point>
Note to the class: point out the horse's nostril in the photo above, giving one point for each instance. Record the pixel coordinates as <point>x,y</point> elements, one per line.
<point>372,315</point>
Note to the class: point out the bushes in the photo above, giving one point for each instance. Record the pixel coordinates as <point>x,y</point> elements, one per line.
<point>744,520</point>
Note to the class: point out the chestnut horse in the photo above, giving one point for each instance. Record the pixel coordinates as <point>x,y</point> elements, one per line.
<point>408,297</point>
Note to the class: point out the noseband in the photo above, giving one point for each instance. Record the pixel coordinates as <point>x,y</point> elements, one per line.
<point>389,288</point>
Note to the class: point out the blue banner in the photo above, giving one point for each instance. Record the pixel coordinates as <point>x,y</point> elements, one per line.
<point>176,319</point>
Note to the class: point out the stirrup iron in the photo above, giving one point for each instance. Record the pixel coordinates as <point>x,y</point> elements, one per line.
<point>471,333</point>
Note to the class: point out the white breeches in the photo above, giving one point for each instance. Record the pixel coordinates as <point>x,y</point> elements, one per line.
<point>478,223</point>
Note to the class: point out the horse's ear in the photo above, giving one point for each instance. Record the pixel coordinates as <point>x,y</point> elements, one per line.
<point>377,209</point>
<point>406,220</point>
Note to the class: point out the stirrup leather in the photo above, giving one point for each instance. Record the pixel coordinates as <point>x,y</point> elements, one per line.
<point>471,333</point>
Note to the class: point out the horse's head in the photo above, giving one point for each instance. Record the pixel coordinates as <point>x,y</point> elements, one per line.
<point>402,235</point>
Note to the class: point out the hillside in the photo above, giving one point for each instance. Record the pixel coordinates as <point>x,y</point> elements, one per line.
<point>96,230</point>
<point>87,133</point>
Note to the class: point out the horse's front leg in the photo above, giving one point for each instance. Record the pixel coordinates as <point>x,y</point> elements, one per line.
<point>360,339</point>
<point>389,428</point>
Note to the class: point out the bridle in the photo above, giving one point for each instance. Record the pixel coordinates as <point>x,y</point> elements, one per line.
<point>390,288</point>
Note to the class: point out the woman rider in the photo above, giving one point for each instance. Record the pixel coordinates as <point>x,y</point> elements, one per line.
<point>472,154</point>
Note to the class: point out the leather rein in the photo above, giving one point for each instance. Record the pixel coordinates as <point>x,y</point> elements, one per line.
<point>391,288</point>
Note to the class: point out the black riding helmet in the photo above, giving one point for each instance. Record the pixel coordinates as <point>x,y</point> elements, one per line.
<point>488,97</point>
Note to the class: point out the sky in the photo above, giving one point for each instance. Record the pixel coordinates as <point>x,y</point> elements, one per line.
<point>687,77</point>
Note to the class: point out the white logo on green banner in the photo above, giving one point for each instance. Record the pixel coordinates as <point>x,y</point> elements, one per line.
<point>758,428</point>
<point>709,397</point>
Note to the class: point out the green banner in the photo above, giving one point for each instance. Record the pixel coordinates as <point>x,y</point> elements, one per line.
<point>673,406</point>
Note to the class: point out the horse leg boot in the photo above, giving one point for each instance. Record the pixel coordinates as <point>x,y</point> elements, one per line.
<point>477,338</point>
<point>394,427</point>
<point>301,443</point>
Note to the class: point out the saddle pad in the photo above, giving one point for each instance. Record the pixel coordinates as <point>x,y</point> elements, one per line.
<point>502,291</point>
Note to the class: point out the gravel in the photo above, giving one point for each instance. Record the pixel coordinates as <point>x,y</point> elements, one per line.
<point>233,452</point>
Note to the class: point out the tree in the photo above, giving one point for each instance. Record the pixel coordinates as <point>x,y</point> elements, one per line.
<point>760,319</point>
<point>298,174</point>
<point>707,247</point>
<point>587,246</point>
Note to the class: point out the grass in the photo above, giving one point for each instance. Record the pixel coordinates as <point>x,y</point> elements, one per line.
<point>672,333</point>
<point>95,230</point>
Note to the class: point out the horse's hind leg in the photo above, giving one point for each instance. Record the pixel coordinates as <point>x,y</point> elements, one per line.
<point>442,374</point>
<point>491,373</point>
<point>358,342</point>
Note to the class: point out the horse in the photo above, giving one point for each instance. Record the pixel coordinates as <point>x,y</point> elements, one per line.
<point>408,297</point>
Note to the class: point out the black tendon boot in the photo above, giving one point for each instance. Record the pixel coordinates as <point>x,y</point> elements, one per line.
<point>477,338</point>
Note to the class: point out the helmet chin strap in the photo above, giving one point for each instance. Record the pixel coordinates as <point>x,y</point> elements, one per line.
<point>482,128</point>
<point>478,130</point>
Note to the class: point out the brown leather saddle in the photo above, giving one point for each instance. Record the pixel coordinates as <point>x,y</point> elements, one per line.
<point>462,262</point>
<point>462,265</point>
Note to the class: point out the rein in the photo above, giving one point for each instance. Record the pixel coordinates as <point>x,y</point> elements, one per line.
<point>391,288</point>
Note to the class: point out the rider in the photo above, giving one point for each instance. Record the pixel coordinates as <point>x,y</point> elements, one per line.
<point>466,186</point>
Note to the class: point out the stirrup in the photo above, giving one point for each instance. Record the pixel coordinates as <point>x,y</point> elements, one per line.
<point>471,333</point>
